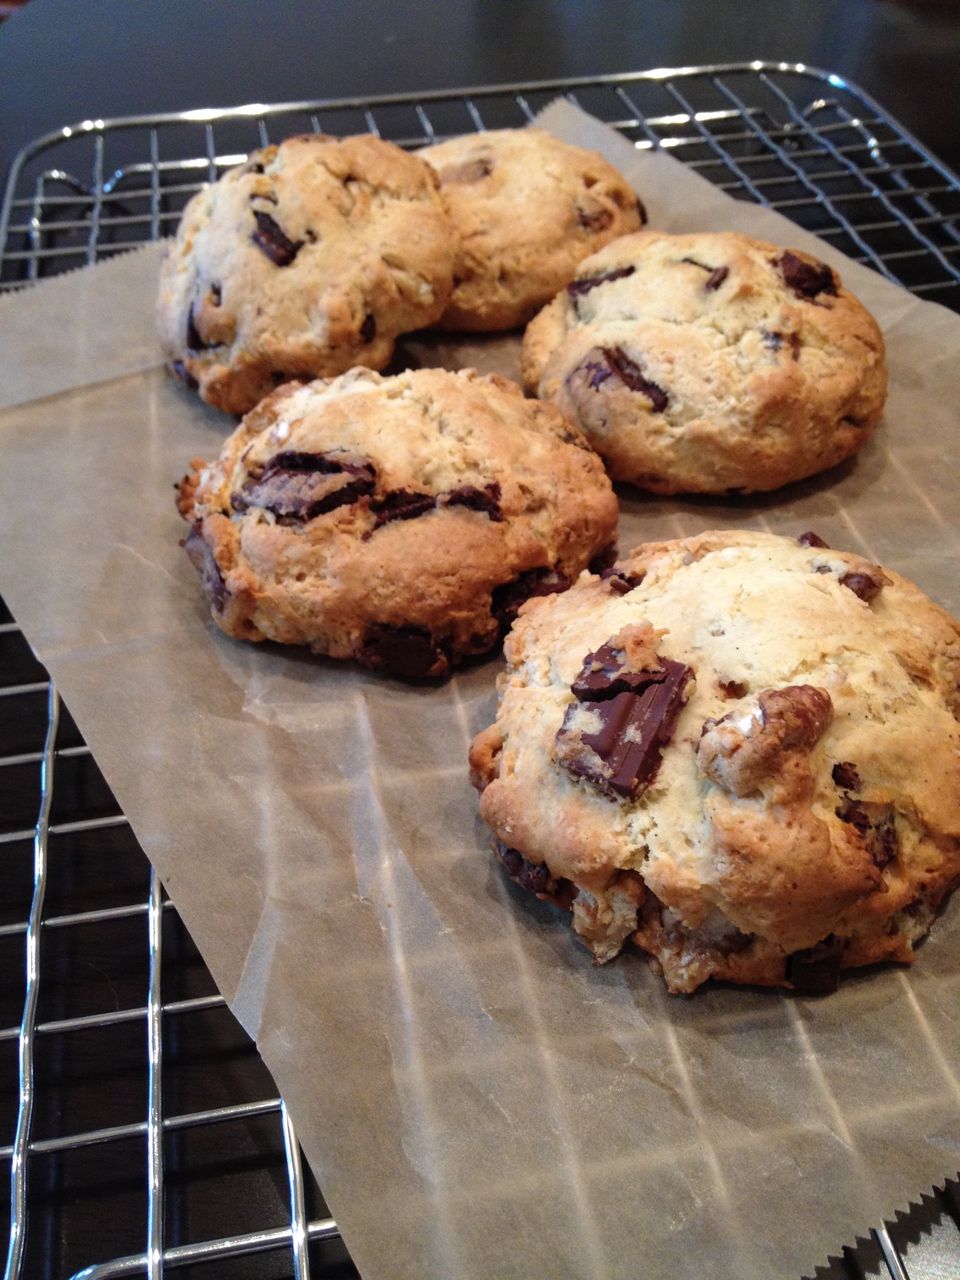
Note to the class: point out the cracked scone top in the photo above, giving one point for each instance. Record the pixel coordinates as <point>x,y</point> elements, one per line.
<point>307,260</point>
<point>739,750</point>
<point>527,207</point>
<point>397,521</point>
<point>711,362</point>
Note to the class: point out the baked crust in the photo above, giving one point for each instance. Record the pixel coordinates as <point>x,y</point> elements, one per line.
<point>709,362</point>
<point>309,259</point>
<point>528,208</point>
<point>805,813</point>
<point>396,521</point>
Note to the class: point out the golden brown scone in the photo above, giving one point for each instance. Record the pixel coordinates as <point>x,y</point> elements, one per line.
<point>710,362</point>
<point>528,208</point>
<point>739,750</point>
<point>397,521</point>
<point>310,258</point>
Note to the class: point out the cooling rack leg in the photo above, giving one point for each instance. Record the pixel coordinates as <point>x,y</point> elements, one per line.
<point>18,1164</point>
<point>154,1083</point>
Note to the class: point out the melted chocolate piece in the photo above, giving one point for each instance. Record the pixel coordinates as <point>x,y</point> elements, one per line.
<point>733,688</point>
<point>401,504</point>
<point>642,212</point>
<point>635,726</point>
<point>577,288</point>
<point>875,824</point>
<point>594,219</point>
<point>411,652</point>
<point>603,562</point>
<point>509,596</point>
<point>299,486</point>
<point>180,371</point>
<point>204,561</point>
<point>865,585</point>
<point>631,375</point>
<point>271,239</point>
<point>469,171</point>
<point>815,971</point>
<point>715,275</point>
<point>536,877</point>
<point>603,676</point>
<point>486,499</point>
<point>805,279</point>
<point>194,340</point>
<point>811,539</point>
<point>619,581</point>
<point>845,775</point>
<point>368,329</point>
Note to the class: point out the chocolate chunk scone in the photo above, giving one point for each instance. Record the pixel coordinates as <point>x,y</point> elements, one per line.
<point>397,521</point>
<point>711,362</point>
<point>528,208</point>
<point>738,750</point>
<point>310,258</point>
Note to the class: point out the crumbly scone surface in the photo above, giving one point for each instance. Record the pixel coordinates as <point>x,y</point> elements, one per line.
<point>709,362</point>
<point>310,258</point>
<point>528,208</point>
<point>398,521</point>
<point>806,808</point>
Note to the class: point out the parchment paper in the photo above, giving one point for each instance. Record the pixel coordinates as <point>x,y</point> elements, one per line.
<point>476,1099</point>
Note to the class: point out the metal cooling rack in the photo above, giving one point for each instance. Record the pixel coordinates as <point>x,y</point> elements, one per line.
<point>143,1134</point>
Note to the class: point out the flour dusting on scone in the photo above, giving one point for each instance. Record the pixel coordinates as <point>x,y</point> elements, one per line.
<point>740,751</point>
<point>528,208</point>
<point>401,521</point>
<point>307,260</point>
<point>710,362</point>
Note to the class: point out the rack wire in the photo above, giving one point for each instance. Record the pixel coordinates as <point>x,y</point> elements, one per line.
<point>141,1132</point>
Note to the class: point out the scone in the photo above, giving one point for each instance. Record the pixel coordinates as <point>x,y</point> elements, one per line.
<point>709,363</point>
<point>309,259</point>
<point>397,521</point>
<point>527,208</point>
<point>740,751</point>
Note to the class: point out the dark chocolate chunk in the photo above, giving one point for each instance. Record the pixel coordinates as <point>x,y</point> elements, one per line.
<point>642,212</point>
<point>845,775</point>
<point>411,652</point>
<point>815,971</point>
<point>619,581</point>
<point>806,279</point>
<point>733,688</point>
<point>401,504</point>
<point>603,562</point>
<point>865,585</point>
<point>775,341</point>
<point>216,294</point>
<point>603,676</point>
<point>299,486</point>
<point>469,171</point>
<point>194,341</point>
<point>368,329</point>
<point>811,539</point>
<point>631,375</point>
<point>509,596</point>
<point>486,499</point>
<point>255,167</point>
<point>715,275</point>
<point>594,219</point>
<point>624,756</point>
<point>272,240</point>
<point>876,825</point>
<point>203,560</point>
<point>180,370</point>
<point>536,877</point>
<point>577,288</point>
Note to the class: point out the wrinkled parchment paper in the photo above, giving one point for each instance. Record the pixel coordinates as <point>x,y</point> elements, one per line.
<point>476,1099</point>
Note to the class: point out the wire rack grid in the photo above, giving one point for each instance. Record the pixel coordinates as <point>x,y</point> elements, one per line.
<point>112,1015</point>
